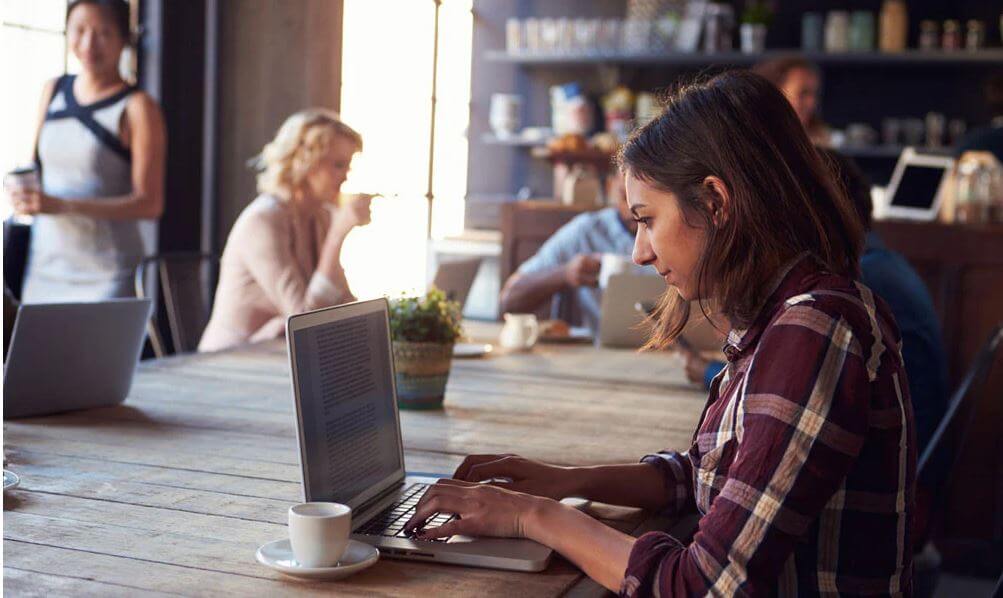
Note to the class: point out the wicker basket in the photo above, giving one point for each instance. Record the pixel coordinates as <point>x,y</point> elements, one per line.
<point>422,372</point>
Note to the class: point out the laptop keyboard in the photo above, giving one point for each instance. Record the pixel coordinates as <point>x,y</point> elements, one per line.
<point>390,521</point>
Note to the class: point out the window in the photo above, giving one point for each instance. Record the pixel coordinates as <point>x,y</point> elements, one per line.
<point>33,50</point>
<point>386,95</point>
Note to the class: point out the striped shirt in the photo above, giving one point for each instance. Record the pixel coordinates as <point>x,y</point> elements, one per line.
<point>803,465</point>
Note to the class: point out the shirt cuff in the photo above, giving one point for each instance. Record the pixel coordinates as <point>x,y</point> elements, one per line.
<point>645,562</point>
<point>323,291</point>
<point>713,369</point>
<point>677,484</point>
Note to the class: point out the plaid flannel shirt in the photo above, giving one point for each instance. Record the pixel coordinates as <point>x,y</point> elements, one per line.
<point>803,465</point>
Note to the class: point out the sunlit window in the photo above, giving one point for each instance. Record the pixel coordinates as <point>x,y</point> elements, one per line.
<point>386,95</point>
<point>32,51</point>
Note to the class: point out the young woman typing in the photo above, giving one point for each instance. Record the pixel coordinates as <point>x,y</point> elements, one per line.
<point>802,467</point>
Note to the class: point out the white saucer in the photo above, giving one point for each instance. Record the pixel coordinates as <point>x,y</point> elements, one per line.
<point>10,480</point>
<point>278,555</point>
<point>471,349</point>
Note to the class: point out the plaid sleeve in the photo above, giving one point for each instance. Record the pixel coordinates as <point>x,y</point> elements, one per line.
<point>677,473</point>
<point>800,424</point>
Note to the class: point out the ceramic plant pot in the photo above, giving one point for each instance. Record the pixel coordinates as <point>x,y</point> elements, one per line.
<point>422,373</point>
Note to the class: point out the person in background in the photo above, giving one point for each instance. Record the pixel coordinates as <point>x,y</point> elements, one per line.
<point>100,146</point>
<point>801,83</point>
<point>891,277</point>
<point>570,259</point>
<point>802,470</point>
<point>990,137</point>
<point>283,255</point>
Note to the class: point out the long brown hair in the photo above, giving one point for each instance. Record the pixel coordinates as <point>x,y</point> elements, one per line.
<point>784,200</point>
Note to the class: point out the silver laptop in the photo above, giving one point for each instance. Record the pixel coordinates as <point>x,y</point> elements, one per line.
<point>619,319</point>
<point>66,356</point>
<point>456,277</point>
<point>349,436</point>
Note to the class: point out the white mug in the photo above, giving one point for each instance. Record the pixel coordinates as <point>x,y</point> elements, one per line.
<point>519,332</point>
<point>613,263</point>
<point>505,114</point>
<point>318,532</point>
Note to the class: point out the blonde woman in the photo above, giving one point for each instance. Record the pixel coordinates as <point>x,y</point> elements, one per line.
<point>283,255</point>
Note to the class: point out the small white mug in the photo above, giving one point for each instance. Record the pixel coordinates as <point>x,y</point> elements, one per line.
<point>520,331</point>
<point>613,263</point>
<point>318,532</point>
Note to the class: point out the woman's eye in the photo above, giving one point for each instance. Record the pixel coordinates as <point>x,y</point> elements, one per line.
<point>645,221</point>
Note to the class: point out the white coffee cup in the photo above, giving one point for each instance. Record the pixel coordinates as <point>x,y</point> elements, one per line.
<point>519,332</point>
<point>318,532</point>
<point>613,263</point>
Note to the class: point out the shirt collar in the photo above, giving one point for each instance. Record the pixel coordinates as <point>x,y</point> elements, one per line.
<point>787,281</point>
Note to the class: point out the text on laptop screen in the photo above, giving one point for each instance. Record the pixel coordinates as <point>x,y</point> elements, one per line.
<point>347,405</point>
<point>918,187</point>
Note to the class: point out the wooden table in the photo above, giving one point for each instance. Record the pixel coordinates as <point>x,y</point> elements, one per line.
<point>173,491</point>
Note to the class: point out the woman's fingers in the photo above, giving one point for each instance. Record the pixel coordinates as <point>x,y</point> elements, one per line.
<point>506,467</point>
<point>441,502</point>
<point>470,461</point>
<point>450,528</point>
<point>454,482</point>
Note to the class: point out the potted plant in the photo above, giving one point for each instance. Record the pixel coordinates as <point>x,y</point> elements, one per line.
<point>755,19</point>
<point>424,330</point>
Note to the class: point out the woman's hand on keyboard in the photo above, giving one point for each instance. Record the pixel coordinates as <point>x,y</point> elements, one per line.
<point>519,474</point>
<point>482,510</point>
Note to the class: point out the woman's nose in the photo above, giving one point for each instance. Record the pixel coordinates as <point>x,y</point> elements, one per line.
<point>642,254</point>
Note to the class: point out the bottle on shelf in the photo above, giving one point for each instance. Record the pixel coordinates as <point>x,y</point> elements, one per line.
<point>951,39</point>
<point>894,26</point>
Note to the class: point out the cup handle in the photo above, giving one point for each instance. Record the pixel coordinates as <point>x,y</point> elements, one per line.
<point>533,328</point>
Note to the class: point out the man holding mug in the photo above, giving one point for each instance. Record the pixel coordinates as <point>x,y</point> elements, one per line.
<point>571,259</point>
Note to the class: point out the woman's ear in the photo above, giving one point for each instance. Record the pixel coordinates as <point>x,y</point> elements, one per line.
<point>717,200</point>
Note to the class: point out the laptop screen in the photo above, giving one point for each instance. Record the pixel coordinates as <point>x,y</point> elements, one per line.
<point>349,432</point>
<point>918,186</point>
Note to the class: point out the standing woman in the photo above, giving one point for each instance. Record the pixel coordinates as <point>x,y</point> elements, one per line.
<point>802,468</point>
<point>100,147</point>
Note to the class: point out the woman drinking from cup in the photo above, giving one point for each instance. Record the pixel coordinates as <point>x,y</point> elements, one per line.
<point>283,255</point>
<point>100,147</point>
<point>802,468</point>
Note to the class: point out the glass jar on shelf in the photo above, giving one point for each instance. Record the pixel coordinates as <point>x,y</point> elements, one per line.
<point>975,37</point>
<point>951,40</point>
<point>929,35</point>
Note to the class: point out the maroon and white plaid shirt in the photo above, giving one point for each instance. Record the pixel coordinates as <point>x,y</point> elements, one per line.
<point>803,465</point>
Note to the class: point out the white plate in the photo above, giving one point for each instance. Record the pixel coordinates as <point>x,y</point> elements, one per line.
<point>10,480</point>
<point>466,350</point>
<point>278,555</point>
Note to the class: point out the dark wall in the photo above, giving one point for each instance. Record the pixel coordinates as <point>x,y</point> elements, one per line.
<point>172,69</point>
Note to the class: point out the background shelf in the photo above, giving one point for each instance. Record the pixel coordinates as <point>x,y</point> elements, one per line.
<point>908,57</point>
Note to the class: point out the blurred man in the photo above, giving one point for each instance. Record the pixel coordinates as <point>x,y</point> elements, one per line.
<point>570,259</point>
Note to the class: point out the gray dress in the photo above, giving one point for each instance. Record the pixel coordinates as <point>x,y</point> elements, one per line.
<point>74,257</point>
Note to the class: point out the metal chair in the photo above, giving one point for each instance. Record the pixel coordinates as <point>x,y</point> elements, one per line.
<point>935,466</point>
<point>185,283</point>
